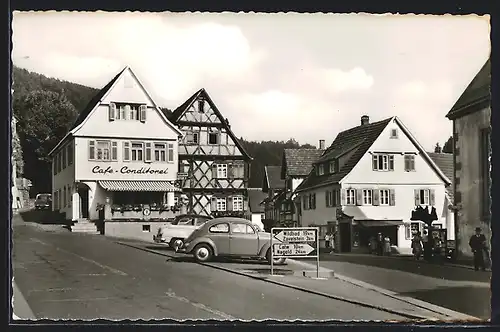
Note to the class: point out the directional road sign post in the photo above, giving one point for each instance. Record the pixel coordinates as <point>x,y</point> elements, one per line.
<point>297,242</point>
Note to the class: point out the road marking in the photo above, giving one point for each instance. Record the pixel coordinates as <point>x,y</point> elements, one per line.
<point>50,290</point>
<point>109,268</point>
<point>92,275</point>
<point>200,306</point>
<point>83,300</point>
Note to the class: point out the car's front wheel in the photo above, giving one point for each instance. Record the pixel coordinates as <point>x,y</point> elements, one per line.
<point>202,253</point>
<point>276,261</point>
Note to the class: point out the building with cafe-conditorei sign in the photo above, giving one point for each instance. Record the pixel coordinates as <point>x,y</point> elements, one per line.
<point>118,163</point>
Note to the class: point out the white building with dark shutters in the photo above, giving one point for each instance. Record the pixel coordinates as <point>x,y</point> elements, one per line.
<point>368,181</point>
<point>121,153</point>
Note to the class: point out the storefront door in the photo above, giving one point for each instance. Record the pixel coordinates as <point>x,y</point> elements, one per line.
<point>345,237</point>
<point>84,202</point>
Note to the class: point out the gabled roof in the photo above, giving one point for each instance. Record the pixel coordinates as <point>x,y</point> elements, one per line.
<point>359,138</point>
<point>176,115</point>
<point>298,162</point>
<point>477,91</point>
<point>272,178</point>
<point>255,196</point>
<point>445,163</point>
<point>94,102</point>
<point>358,141</point>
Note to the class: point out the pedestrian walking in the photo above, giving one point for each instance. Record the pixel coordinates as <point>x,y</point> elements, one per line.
<point>478,246</point>
<point>417,245</point>
<point>328,238</point>
<point>332,241</point>
<point>387,245</point>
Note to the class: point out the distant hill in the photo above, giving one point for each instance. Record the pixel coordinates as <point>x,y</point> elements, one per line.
<point>24,82</point>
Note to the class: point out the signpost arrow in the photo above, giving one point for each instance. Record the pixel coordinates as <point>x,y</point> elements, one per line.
<point>291,236</point>
<point>297,249</point>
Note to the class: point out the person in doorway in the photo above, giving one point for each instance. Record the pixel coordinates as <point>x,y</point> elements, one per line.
<point>332,242</point>
<point>328,238</point>
<point>477,244</point>
<point>380,244</point>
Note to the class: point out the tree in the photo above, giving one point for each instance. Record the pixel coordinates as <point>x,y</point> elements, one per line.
<point>44,118</point>
<point>448,146</point>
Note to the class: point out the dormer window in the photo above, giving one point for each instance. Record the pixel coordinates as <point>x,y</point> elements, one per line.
<point>394,133</point>
<point>333,169</point>
<point>321,169</point>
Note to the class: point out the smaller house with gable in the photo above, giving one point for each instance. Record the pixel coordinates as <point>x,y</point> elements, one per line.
<point>118,162</point>
<point>296,165</point>
<point>255,212</point>
<point>368,181</point>
<point>273,186</point>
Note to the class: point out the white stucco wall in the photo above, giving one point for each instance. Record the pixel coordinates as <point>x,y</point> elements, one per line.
<point>64,178</point>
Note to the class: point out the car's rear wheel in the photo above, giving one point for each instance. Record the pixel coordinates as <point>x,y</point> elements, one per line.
<point>276,261</point>
<point>176,243</point>
<point>203,253</point>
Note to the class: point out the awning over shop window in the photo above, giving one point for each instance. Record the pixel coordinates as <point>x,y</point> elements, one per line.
<point>138,186</point>
<point>380,223</point>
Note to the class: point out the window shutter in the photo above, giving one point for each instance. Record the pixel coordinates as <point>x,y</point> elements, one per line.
<point>114,151</point>
<point>391,162</point>
<point>126,151</point>
<point>417,197</point>
<point>214,171</point>
<point>359,197</point>
<point>376,197</point>
<point>327,202</point>
<point>314,201</point>
<point>304,200</point>
<point>343,200</point>
<point>91,150</point>
<point>231,170</point>
<point>432,197</point>
<point>407,163</point>
<point>229,203</point>
<point>392,197</point>
<point>147,154</point>
<point>213,204</point>
<point>142,114</point>
<point>241,171</point>
<point>112,111</point>
<point>170,151</point>
<point>375,162</point>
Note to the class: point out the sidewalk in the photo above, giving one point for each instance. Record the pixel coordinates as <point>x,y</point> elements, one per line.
<point>21,309</point>
<point>466,264</point>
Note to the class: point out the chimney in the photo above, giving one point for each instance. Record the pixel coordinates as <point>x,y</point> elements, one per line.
<point>321,144</point>
<point>365,119</point>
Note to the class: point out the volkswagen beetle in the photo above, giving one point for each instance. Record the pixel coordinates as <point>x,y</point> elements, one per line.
<point>229,237</point>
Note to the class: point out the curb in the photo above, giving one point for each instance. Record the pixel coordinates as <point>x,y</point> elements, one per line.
<point>20,307</point>
<point>264,279</point>
<point>418,303</point>
<point>405,257</point>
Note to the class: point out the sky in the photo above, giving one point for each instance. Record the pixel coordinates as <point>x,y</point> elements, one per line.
<point>274,76</point>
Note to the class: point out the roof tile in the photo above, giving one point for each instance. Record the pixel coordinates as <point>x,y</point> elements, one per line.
<point>273,174</point>
<point>298,162</point>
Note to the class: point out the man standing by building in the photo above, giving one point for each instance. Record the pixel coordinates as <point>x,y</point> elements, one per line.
<point>477,243</point>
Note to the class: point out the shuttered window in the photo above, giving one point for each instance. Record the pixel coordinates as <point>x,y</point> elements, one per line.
<point>91,150</point>
<point>114,151</point>
<point>112,111</point>
<point>409,162</point>
<point>70,153</point>
<point>126,151</point>
<point>147,152</point>
<point>142,113</point>
<point>424,197</point>
<point>170,152</point>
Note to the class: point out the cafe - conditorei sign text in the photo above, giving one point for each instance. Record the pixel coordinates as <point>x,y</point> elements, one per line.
<point>127,170</point>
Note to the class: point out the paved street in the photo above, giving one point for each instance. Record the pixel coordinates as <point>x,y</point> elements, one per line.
<point>65,275</point>
<point>456,288</point>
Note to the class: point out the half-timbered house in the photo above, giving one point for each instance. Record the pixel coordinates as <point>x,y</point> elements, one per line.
<point>213,164</point>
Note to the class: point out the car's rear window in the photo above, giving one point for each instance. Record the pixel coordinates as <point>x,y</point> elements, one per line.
<point>43,196</point>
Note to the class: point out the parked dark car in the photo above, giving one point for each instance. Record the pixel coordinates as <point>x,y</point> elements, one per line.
<point>229,237</point>
<point>43,202</point>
